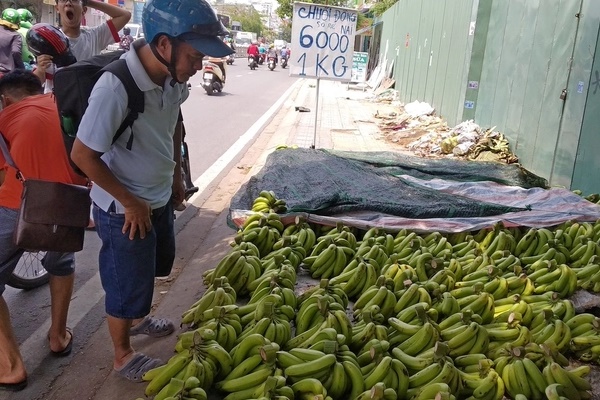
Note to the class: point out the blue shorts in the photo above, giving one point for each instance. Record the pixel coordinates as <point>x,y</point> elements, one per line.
<point>128,267</point>
<point>58,264</point>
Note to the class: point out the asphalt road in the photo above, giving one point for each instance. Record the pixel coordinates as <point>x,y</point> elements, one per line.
<point>219,129</point>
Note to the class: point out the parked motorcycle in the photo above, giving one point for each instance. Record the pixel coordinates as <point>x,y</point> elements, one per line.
<point>252,63</point>
<point>271,63</point>
<point>284,61</point>
<point>213,75</point>
<point>230,59</point>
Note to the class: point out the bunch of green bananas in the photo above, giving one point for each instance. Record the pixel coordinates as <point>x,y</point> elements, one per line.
<point>481,304</point>
<point>283,277</point>
<point>379,391</point>
<point>440,371</point>
<point>327,260</point>
<point>381,294</point>
<point>400,274</point>
<point>240,267</point>
<point>282,300</point>
<point>224,321</point>
<point>267,202</point>
<point>262,231</point>
<point>249,378</point>
<point>314,311</point>
<point>325,287</point>
<point>289,248</point>
<point>219,293</point>
<point>585,331</point>
<point>303,232</point>
<point>270,320</point>
<point>205,360</point>
<point>178,389</point>
<point>588,277</point>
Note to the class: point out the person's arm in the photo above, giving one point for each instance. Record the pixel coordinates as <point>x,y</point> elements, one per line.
<point>137,211</point>
<point>120,16</point>
<point>178,190</point>
<point>43,62</point>
<point>17,51</point>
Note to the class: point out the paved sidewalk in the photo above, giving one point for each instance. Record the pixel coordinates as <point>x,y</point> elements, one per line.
<point>344,122</point>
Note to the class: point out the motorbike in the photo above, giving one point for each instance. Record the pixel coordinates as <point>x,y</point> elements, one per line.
<point>271,63</point>
<point>213,75</point>
<point>284,61</point>
<point>230,59</point>
<point>261,58</point>
<point>252,63</point>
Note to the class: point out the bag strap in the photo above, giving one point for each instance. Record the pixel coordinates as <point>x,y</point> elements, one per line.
<point>8,158</point>
<point>135,97</point>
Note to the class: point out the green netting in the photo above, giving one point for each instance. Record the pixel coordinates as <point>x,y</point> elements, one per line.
<point>447,168</point>
<point>324,183</point>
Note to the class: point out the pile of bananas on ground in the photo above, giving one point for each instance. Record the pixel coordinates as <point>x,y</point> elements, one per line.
<point>472,315</point>
<point>267,202</point>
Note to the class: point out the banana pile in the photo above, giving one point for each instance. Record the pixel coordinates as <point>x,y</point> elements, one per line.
<point>470,315</point>
<point>267,202</point>
<point>204,360</point>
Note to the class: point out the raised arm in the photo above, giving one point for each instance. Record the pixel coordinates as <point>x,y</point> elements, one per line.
<point>120,16</point>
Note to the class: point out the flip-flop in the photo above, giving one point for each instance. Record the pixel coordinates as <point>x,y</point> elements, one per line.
<point>137,366</point>
<point>68,348</point>
<point>14,387</point>
<point>154,327</point>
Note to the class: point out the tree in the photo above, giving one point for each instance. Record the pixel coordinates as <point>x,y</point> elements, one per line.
<point>286,7</point>
<point>245,15</point>
<point>381,6</point>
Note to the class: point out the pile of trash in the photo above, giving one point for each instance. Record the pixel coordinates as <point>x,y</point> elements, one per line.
<point>423,133</point>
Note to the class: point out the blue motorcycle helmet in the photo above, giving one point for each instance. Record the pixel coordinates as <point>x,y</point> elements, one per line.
<point>194,22</point>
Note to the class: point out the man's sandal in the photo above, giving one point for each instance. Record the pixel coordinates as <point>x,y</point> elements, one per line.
<point>153,327</point>
<point>137,366</point>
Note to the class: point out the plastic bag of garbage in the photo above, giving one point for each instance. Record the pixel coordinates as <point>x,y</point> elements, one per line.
<point>417,109</point>
<point>462,148</point>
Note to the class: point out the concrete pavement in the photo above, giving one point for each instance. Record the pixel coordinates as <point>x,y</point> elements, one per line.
<point>344,122</point>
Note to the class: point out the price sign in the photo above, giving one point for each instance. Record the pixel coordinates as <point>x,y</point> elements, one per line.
<point>359,66</point>
<point>322,41</point>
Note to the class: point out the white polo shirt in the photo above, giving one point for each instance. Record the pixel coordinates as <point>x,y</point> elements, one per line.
<point>147,169</point>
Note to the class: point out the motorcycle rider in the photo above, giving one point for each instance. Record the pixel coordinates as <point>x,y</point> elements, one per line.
<point>26,20</point>
<point>284,52</point>
<point>262,50</point>
<point>11,43</point>
<point>253,50</point>
<point>272,53</point>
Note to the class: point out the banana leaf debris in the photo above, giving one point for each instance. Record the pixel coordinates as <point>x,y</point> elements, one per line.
<point>416,127</point>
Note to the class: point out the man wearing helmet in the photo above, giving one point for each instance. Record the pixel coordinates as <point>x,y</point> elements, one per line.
<point>85,42</point>
<point>11,42</point>
<point>133,188</point>
<point>25,21</point>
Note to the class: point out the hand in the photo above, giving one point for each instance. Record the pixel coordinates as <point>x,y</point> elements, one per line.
<point>137,219</point>
<point>44,61</point>
<point>178,191</point>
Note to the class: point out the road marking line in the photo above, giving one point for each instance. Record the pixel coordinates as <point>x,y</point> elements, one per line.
<point>218,166</point>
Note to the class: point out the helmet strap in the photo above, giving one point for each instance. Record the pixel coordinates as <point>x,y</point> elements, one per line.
<point>170,66</point>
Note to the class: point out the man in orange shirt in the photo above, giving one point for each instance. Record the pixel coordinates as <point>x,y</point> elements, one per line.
<point>29,125</point>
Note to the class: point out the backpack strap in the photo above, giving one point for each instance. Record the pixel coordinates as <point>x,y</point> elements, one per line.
<point>135,97</point>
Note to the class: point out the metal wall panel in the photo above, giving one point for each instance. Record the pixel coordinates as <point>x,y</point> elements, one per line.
<point>522,55</point>
<point>583,104</point>
<point>428,40</point>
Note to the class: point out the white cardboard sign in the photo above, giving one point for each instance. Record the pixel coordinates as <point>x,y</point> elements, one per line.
<point>322,41</point>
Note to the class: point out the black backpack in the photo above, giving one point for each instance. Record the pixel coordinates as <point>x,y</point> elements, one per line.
<point>73,86</point>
